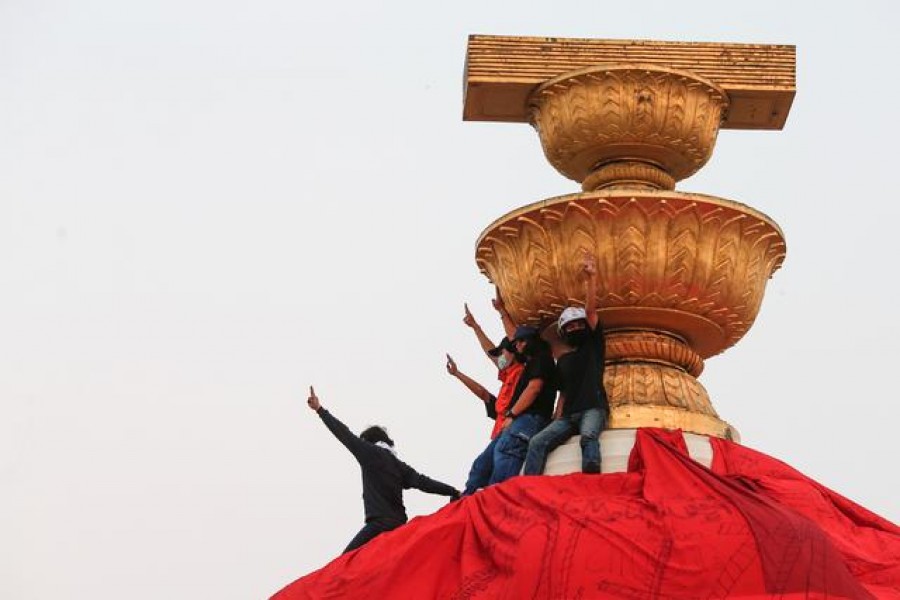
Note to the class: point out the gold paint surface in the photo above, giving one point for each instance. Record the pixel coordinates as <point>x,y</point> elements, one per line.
<point>680,276</point>
<point>618,124</point>
<point>503,71</point>
<point>628,346</point>
<point>635,417</point>
<point>655,385</point>
<point>686,265</point>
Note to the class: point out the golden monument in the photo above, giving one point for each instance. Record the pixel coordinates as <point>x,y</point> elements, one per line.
<point>681,278</point>
<point>681,275</point>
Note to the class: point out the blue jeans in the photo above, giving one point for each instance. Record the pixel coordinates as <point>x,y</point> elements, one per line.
<point>482,467</point>
<point>589,423</point>
<point>504,456</point>
<point>512,444</point>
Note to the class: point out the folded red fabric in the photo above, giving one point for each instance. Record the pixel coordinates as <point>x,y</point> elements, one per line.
<point>751,526</point>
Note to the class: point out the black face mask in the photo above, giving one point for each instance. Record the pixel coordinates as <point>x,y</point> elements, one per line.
<point>575,338</point>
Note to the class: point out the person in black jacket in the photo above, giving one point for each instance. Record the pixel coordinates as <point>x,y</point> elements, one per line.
<point>583,406</point>
<point>531,405</point>
<point>384,476</point>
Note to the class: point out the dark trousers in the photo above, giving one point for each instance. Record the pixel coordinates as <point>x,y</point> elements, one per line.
<point>512,444</point>
<point>504,456</point>
<point>589,422</point>
<point>372,529</point>
<point>482,468</point>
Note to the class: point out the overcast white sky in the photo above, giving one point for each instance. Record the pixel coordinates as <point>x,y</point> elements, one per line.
<point>207,206</point>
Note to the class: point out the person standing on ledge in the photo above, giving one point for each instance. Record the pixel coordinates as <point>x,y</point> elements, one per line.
<point>384,476</point>
<point>582,405</point>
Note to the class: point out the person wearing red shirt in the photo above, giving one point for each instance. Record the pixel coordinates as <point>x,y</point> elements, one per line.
<point>485,469</point>
<point>508,372</point>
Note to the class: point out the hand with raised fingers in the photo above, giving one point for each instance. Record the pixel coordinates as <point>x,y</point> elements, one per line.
<point>313,400</point>
<point>451,366</point>
<point>468,319</point>
<point>497,301</point>
<point>589,265</point>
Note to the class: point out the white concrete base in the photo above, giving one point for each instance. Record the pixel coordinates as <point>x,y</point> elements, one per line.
<point>615,448</point>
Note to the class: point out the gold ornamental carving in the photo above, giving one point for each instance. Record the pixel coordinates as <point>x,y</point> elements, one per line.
<point>650,380</point>
<point>501,72</point>
<point>681,276</point>
<point>687,265</point>
<point>633,346</point>
<point>628,125</point>
<point>651,385</point>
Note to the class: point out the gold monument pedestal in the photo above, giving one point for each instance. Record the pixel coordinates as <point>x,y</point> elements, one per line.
<point>681,278</point>
<point>681,275</point>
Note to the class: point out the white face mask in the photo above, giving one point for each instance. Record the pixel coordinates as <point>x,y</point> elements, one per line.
<point>502,362</point>
<point>387,447</point>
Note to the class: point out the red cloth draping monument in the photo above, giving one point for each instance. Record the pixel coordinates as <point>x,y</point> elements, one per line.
<point>749,527</point>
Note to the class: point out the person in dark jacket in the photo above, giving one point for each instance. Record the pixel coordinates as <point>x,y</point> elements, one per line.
<point>531,405</point>
<point>582,406</point>
<point>384,476</point>
<point>508,372</point>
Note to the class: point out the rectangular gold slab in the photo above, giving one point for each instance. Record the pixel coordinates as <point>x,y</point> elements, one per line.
<point>502,71</point>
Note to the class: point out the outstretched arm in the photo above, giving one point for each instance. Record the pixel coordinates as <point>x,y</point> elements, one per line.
<point>475,387</point>
<point>589,269</point>
<point>483,340</point>
<point>334,425</point>
<point>509,326</point>
<point>413,479</point>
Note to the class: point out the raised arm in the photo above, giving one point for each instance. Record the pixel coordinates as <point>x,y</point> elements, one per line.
<point>473,386</point>
<point>414,479</point>
<point>483,340</point>
<point>589,269</point>
<point>509,326</point>
<point>353,443</point>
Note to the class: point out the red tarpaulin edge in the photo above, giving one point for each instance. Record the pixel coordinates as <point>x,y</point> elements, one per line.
<point>749,527</point>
